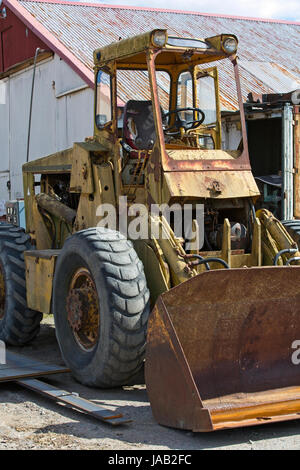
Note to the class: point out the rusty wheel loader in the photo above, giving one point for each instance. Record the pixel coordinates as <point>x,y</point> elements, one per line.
<point>214,326</point>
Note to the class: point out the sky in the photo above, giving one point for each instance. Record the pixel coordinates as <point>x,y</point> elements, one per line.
<point>273,9</point>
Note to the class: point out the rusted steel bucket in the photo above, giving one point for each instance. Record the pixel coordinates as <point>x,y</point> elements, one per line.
<point>219,350</point>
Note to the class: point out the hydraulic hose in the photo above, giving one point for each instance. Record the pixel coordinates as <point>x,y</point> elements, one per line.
<point>281,252</point>
<point>206,261</point>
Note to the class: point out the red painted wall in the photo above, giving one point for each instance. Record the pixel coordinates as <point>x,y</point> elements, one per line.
<point>17,42</point>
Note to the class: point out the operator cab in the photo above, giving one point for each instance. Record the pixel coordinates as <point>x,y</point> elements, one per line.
<point>184,124</point>
<point>161,93</point>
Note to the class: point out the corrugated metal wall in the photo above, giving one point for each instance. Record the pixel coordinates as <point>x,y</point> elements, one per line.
<point>4,137</point>
<point>62,113</point>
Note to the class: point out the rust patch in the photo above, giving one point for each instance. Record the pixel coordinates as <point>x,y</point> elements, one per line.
<point>83,309</point>
<point>155,157</point>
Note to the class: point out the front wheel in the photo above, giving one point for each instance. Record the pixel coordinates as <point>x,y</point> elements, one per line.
<point>101,307</point>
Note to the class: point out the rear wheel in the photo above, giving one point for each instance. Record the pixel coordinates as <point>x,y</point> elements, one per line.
<point>101,307</point>
<point>18,324</point>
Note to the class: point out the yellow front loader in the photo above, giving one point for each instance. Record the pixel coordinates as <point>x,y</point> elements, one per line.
<point>144,243</point>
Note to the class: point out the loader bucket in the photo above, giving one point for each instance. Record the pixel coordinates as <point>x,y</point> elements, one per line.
<point>221,349</point>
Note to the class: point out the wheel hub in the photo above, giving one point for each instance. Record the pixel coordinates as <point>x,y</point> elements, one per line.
<point>83,309</point>
<point>74,309</point>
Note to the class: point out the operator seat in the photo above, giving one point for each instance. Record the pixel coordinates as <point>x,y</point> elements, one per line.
<point>138,125</point>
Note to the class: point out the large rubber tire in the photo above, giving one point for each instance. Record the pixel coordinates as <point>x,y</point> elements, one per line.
<point>18,324</point>
<point>123,299</point>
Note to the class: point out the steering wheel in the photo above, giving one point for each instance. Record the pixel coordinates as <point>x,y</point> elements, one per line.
<point>187,126</point>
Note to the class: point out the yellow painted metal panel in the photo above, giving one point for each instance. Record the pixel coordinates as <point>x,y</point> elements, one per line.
<point>40,267</point>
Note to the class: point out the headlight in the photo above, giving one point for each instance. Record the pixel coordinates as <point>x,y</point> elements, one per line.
<point>159,38</point>
<point>230,45</point>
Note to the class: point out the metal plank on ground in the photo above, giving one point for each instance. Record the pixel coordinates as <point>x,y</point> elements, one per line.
<point>22,370</point>
<point>75,401</point>
<point>18,366</point>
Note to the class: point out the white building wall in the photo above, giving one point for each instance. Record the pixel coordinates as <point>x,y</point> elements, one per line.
<point>4,140</point>
<point>62,113</point>
<point>231,134</point>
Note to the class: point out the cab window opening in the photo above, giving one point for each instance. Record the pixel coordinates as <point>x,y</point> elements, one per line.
<point>104,99</point>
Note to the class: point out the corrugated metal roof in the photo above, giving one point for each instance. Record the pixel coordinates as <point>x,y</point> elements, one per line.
<point>272,74</point>
<point>269,51</point>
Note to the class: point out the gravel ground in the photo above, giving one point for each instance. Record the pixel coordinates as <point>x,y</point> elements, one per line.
<point>29,421</point>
